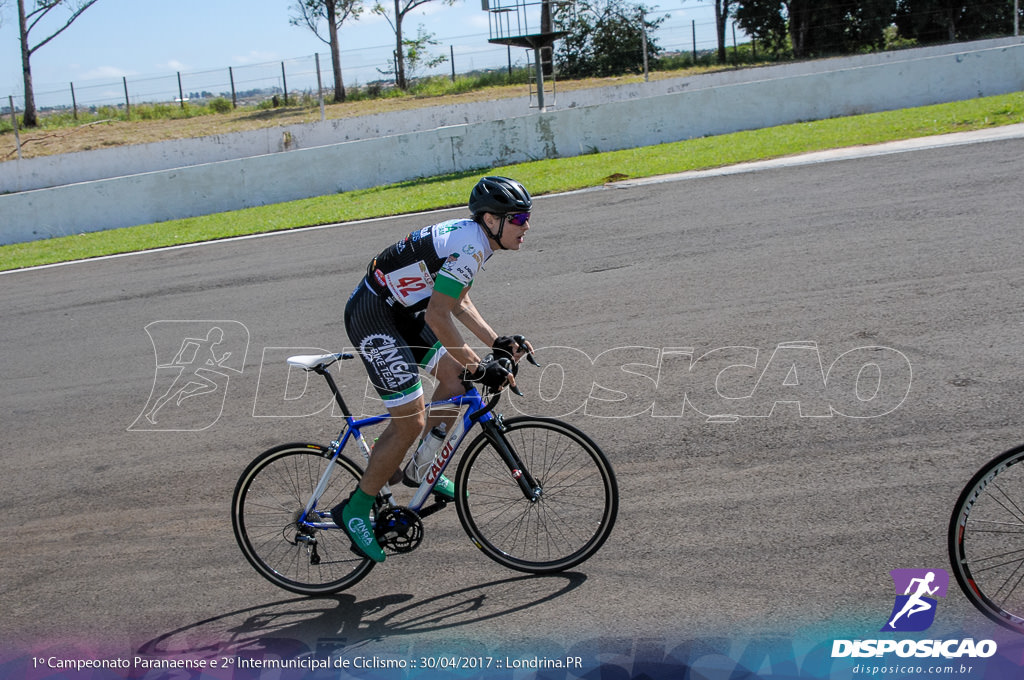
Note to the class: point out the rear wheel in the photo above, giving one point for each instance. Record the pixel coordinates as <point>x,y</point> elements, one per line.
<point>267,515</point>
<point>986,539</point>
<point>573,513</point>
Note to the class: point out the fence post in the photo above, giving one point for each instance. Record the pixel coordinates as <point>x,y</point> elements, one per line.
<point>451,50</point>
<point>234,97</point>
<point>14,122</point>
<point>74,104</point>
<point>181,92</point>
<point>320,89</point>
<point>693,27</point>
<point>127,103</point>
<point>284,81</point>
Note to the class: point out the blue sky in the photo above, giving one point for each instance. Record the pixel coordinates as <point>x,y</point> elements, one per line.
<point>150,38</point>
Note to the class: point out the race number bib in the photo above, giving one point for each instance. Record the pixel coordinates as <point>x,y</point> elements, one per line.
<point>410,284</point>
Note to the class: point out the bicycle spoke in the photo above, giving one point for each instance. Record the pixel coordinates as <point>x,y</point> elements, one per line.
<point>986,540</point>
<point>269,500</point>
<point>567,522</point>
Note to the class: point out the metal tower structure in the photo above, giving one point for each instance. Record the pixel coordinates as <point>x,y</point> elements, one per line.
<point>532,25</point>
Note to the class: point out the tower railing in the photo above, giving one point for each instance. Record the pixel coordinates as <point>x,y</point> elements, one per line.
<point>531,25</point>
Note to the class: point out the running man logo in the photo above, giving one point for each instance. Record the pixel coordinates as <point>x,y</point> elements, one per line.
<point>916,590</point>
<point>194,361</point>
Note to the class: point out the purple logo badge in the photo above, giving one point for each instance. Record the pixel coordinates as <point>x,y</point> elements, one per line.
<point>916,593</point>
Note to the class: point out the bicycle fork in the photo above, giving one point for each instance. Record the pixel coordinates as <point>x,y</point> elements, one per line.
<point>530,487</point>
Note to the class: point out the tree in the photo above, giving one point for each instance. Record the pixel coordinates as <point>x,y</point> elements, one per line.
<point>28,21</point>
<point>930,21</point>
<point>402,9</point>
<point>765,22</point>
<point>816,27</point>
<point>417,57</point>
<point>334,12</point>
<point>722,10</point>
<point>605,38</point>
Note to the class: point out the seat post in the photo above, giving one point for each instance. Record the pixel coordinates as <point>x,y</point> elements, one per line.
<point>334,389</point>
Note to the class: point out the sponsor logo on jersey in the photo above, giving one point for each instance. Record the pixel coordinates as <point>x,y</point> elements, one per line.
<point>390,367</point>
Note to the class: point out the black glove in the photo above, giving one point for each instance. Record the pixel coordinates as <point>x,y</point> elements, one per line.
<point>506,346</point>
<point>492,373</point>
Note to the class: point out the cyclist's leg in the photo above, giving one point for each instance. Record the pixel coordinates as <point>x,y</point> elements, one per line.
<point>389,343</point>
<point>433,358</point>
<point>378,334</point>
<point>353,515</point>
<point>402,431</point>
<point>449,384</point>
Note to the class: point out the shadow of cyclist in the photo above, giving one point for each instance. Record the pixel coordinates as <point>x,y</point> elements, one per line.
<point>324,626</point>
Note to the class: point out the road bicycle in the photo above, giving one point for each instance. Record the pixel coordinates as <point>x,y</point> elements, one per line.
<point>986,539</point>
<point>533,494</point>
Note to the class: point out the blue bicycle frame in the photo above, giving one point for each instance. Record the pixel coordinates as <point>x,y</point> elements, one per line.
<point>477,411</point>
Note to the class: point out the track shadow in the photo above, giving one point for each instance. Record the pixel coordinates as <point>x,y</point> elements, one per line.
<point>302,626</point>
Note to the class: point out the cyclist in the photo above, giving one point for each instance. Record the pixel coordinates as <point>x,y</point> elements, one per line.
<point>401,317</point>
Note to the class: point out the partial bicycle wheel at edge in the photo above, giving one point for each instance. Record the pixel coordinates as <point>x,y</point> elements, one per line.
<point>571,519</point>
<point>986,539</point>
<point>268,503</point>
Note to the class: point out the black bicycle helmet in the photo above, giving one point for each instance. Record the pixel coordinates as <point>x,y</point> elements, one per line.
<point>500,196</point>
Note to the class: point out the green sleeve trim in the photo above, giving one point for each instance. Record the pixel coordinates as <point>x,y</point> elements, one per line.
<point>448,286</point>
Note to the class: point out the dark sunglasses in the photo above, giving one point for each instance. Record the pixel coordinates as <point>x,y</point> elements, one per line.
<point>518,219</point>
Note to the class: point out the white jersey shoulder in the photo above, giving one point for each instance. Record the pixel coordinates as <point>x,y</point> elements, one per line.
<point>464,248</point>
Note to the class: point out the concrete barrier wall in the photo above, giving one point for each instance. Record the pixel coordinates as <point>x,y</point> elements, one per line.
<point>48,171</point>
<point>628,117</point>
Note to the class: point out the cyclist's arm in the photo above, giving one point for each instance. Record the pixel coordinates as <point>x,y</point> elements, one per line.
<point>440,316</point>
<point>469,317</point>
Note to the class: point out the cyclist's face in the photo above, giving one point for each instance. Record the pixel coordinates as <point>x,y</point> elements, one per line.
<point>513,234</point>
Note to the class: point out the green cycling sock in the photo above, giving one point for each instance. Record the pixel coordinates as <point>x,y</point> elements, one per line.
<point>360,502</point>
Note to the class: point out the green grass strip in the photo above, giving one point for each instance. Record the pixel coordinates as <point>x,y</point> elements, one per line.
<point>541,177</point>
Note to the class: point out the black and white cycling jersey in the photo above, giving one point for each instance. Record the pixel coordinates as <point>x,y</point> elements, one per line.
<point>444,256</point>
<point>384,317</point>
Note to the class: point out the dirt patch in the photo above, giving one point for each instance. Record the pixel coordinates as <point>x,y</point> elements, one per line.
<point>103,134</point>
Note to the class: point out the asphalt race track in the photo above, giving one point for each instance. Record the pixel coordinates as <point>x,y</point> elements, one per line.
<point>793,371</point>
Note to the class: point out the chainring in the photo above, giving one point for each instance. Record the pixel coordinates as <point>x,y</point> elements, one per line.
<point>398,529</point>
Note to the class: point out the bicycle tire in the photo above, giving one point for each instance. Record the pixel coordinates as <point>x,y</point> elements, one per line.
<point>986,539</point>
<point>568,523</point>
<point>268,500</point>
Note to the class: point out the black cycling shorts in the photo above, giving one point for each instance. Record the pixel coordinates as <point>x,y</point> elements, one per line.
<point>393,343</point>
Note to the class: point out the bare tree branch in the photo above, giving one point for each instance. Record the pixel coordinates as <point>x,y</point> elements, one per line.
<point>27,22</point>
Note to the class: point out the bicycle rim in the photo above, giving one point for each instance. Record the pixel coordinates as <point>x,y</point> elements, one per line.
<point>986,540</point>
<point>573,516</point>
<point>267,504</point>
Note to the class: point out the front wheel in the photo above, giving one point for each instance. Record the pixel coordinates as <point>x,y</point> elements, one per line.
<point>561,526</point>
<point>276,535</point>
<point>986,539</point>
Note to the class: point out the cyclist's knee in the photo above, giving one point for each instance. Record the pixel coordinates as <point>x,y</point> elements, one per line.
<point>449,376</point>
<point>409,418</point>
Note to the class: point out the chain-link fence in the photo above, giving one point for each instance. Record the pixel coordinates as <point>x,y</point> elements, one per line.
<point>254,84</point>
<point>245,85</point>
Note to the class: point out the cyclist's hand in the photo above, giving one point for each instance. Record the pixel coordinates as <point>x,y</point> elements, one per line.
<point>513,347</point>
<point>494,374</point>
